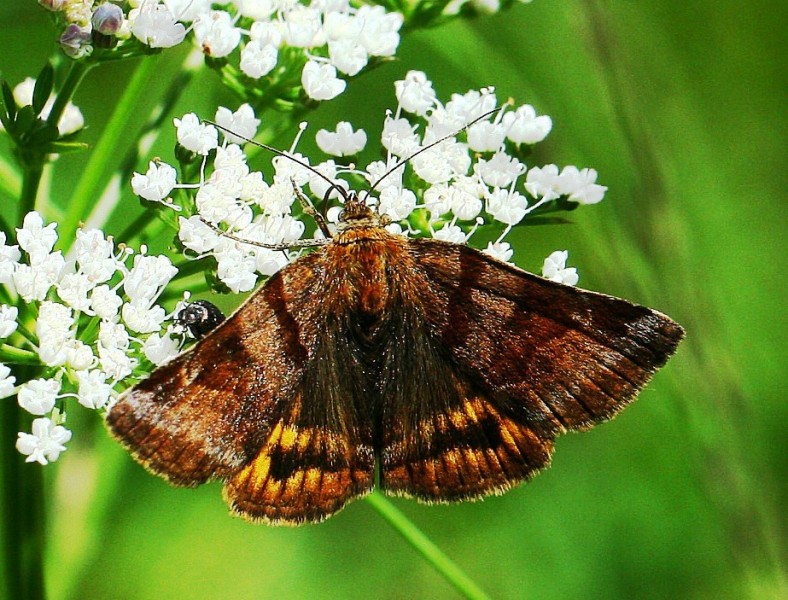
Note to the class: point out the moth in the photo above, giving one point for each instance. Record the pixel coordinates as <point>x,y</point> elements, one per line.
<point>425,368</point>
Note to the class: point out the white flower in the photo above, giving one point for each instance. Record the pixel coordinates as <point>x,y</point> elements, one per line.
<point>258,58</point>
<point>34,282</point>
<point>348,56</point>
<point>277,199</point>
<point>450,233</point>
<point>7,381</point>
<point>342,142</point>
<point>94,392</point>
<point>196,235</point>
<point>156,184</point>
<point>95,255</point>
<point>485,136</point>
<point>507,206</point>
<point>188,10</point>
<point>73,289</point>
<point>321,82</point>
<point>465,201</point>
<point>116,363</point>
<point>79,356</point>
<point>436,200</point>
<point>380,33</point>
<point>242,121</point>
<point>8,324</point>
<point>259,10</point>
<point>38,396</point>
<point>500,171</point>
<point>318,185</point>
<point>55,329</point>
<point>399,137</point>
<point>105,302</point>
<point>543,182</point>
<point>580,185</point>
<point>141,318</point>
<point>441,163</point>
<point>396,203</point>
<point>302,28</point>
<point>216,34</point>
<point>500,250</point>
<point>147,278</point>
<point>464,108</point>
<point>113,335</point>
<point>154,25</point>
<point>159,349</point>
<point>415,93</point>
<point>198,137</point>
<point>55,323</point>
<point>554,268</point>
<point>35,238</point>
<point>265,32</point>
<point>524,127</point>
<point>46,442</point>
<point>235,268</point>
<point>9,258</point>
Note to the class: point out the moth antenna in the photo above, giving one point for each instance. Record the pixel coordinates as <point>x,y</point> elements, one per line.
<point>310,243</point>
<point>427,147</point>
<point>279,152</point>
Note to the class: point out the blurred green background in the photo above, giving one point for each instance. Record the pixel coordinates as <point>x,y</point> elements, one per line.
<point>680,106</point>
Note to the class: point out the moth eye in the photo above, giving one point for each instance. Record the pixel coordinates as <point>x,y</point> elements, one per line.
<point>199,318</point>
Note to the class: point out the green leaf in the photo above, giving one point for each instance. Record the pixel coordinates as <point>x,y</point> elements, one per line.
<point>25,119</point>
<point>9,102</point>
<point>43,88</point>
<point>42,133</point>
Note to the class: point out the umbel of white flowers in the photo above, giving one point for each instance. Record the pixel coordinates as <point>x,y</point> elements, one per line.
<point>453,187</point>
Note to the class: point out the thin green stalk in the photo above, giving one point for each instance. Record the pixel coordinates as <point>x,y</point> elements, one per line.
<point>30,182</point>
<point>78,70</point>
<point>23,512</point>
<point>427,548</point>
<point>89,187</point>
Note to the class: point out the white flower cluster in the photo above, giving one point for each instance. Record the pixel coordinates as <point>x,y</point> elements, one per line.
<point>329,37</point>
<point>89,317</point>
<point>452,185</point>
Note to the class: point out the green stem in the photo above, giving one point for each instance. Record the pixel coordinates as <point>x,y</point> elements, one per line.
<point>78,70</point>
<point>89,186</point>
<point>23,512</point>
<point>30,182</point>
<point>426,547</point>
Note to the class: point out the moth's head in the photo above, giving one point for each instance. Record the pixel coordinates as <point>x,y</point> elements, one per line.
<point>356,213</point>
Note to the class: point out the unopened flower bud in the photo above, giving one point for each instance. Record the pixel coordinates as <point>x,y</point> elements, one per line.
<point>107,19</point>
<point>53,5</point>
<point>75,41</point>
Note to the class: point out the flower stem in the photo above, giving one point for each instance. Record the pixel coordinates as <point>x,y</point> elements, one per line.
<point>30,182</point>
<point>89,186</point>
<point>426,547</point>
<point>23,513</point>
<point>78,70</point>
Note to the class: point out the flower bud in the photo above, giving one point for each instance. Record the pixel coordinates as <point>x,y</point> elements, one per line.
<point>53,5</point>
<point>107,19</point>
<point>75,41</point>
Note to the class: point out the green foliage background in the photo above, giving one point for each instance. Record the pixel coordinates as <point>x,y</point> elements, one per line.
<point>681,108</point>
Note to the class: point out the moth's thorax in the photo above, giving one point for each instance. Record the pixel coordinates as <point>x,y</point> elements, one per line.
<point>365,269</point>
